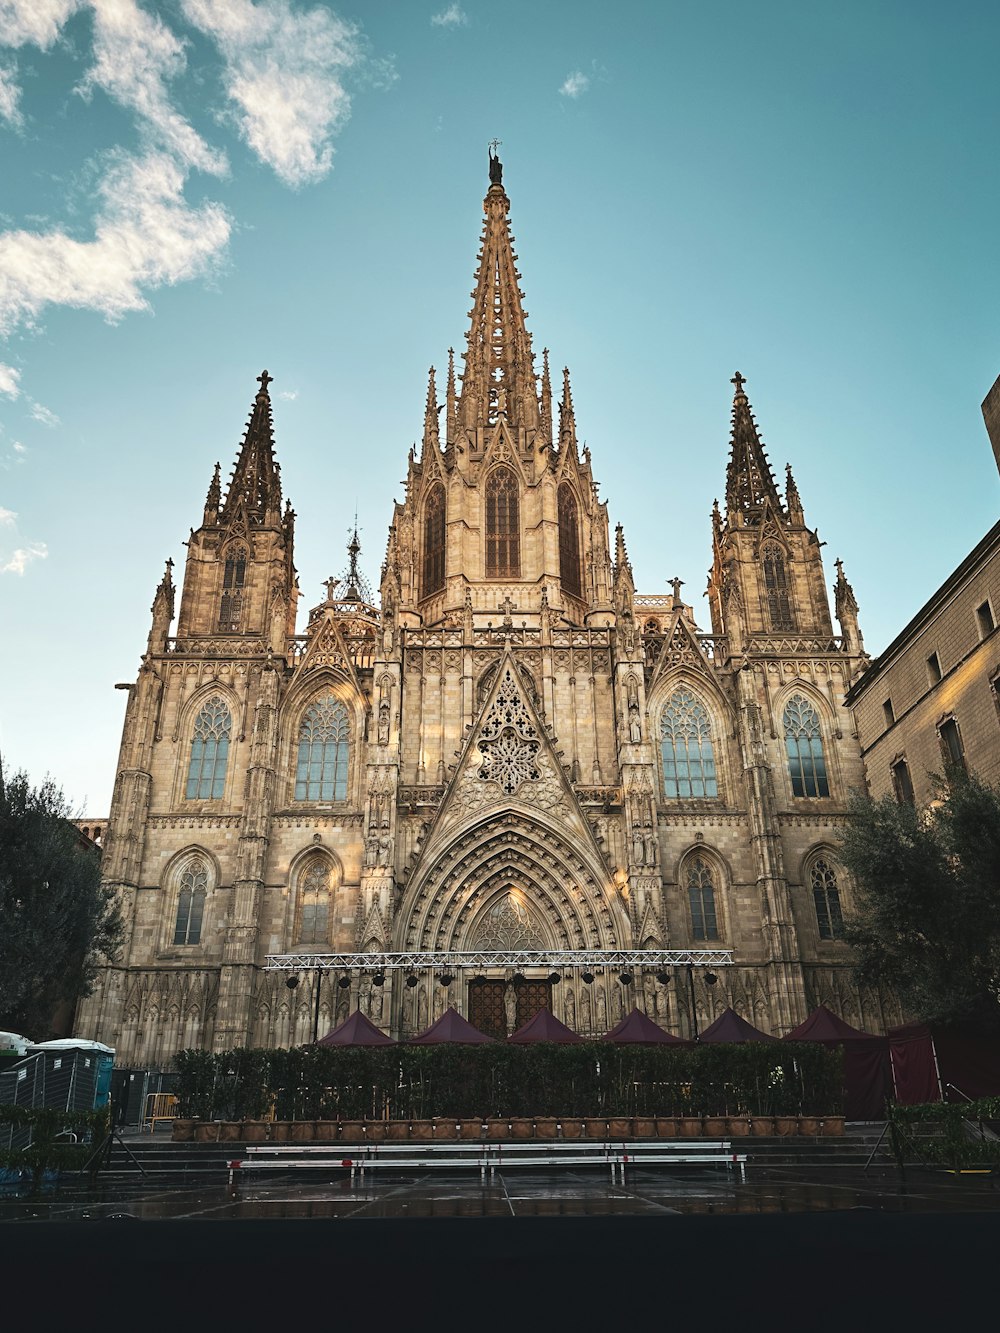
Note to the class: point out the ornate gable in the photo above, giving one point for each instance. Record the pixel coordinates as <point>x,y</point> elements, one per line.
<point>680,648</point>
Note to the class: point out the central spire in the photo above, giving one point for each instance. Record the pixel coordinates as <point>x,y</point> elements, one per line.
<point>256,479</point>
<point>499,376</point>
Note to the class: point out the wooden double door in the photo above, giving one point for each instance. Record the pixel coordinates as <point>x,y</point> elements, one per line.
<point>491,1009</point>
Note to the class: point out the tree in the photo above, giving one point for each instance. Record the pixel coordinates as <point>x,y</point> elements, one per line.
<point>928,901</point>
<point>56,918</point>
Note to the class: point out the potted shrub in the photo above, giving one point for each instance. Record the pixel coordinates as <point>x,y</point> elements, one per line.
<point>738,1126</point>
<point>667,1127</point>
<point>714,1126</point>
<point>689,1126</point>
<point>762,1126</point>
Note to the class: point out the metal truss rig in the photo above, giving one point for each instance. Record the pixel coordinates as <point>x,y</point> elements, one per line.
<point>449,961</point>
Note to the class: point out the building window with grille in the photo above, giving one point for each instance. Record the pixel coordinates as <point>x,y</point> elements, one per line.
<point>191,902</point>
<point>503,525</point>
<point>686,748</point>
<point>901,782</point>
<point>701,898</point>
<point>569,542</point>
<point>324,752</point>
<point>206,780</point>
<point>314,903</point>
<point>826,897</point>
<point>804,748</point>
<point>951,744</point>
<point>779,609</point>
<point>434,540</point>
<point>233,579</point>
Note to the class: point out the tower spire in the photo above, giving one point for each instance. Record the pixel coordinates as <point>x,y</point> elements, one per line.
<point>749,480</point>
<point>256,480</point>
<point>546,399</point>
<point>450,399</point>
<point>431,435</point>
<point>499,375</point>
<point>567,417</point>
<point>214,497</point>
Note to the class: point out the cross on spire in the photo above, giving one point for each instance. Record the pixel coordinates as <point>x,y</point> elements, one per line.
<point>264,379</point>
<point>739,381</point>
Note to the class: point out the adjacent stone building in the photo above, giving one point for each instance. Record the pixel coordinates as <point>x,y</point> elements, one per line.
<point>513,749</point>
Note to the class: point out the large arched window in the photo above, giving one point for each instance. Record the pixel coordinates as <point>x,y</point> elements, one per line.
<point>779,611</point>
<point>826,896</point>
<point>701,898</point>
<point>804,746</point>
<point>503,525</point>
<point>324,752</point>
<point>191,901</point>
<point>213,726</point>
<point>569,542</point>
<point>686,748</point>
<point>434,540</point>
<point>314,902</point>
<point>233,579</point>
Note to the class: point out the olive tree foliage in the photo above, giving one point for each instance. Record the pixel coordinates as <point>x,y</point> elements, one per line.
<point>57,921</point>
<point>928,901</point>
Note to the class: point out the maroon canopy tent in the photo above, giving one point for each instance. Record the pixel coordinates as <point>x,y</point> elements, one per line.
<point>636,1029</point>
<point>356,1031</point>
<point>866,1061</point>
<point>730,1027</point>
<point>451,1026</point>
<point>943,1064</point>
<point>544,1027</point>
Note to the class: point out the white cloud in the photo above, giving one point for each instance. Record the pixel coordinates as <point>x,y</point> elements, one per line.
<point>43,415</point>
<point>452,17</point>
<point>21,558</point>
<point>7,517</point>
<point>9,381</point>
<point>575,84</point>
<point>289,395</point>
<point>283,73</point>
<point>146,235</point>
<point>35,22</point>
<point>10,95</point>
<point>19,448</point>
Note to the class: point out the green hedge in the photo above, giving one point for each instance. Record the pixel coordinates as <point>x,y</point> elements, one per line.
<point>43,1151</point>
<point>946,1133</point>
<point>588,1079</point>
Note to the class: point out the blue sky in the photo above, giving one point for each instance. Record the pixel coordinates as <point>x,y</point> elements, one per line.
<point>196,189</point>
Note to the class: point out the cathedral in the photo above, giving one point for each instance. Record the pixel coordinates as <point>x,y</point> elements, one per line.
<point>510,749</point>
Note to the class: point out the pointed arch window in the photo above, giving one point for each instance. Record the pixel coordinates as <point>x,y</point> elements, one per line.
<point>804,747</point>
<point>206,780</point>
<point>779,611</point>
<point>434,540</point>
<point>324,752</point>
<point>233,579</point>
<point>826,896</point>
<point>701,898</point>
<point>503,525</point>
<point>314,902</point>
<point>569,542</point>
<point>191,901</point>
<point>686,748</point>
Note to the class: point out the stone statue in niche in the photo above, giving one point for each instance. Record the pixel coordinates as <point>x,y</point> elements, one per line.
<point>638,848</point>
<point>383,722</point>
<point>634,725</point>
<point>371,852</point>
<point>633,693</point>
<point>510,1007</point>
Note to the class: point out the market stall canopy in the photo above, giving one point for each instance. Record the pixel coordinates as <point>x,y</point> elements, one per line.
<point>451,1026</point>
<point>357,1030</point>
<point>826,1026</point>
<point>730,1027</point>
<point>544,1027</point>
<point>867,1074</point>
<point>636,1029</point>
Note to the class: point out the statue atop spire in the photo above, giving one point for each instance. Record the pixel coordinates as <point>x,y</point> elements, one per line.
<point>496,166</point>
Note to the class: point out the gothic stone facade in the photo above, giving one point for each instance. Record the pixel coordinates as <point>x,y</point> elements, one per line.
<point>517,750</point>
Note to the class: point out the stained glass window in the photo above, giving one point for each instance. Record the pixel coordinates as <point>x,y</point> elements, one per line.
<point>206,779</point>
<point>827,898</point>
<point>324,752</point>
<point>434,540</point>
<point>776,586</point>
<point>503,525</point>
<point>233,578</point>
<point>314,903</point>
<point>804,746</point>
<point>569,542</point>
<point>191,902</point>
<point>701,896</point>
<point>686,748</point>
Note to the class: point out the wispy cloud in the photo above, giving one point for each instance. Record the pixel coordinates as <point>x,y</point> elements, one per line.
<point>10,378</point>
<point>452,17</point>
<point>10,96</point>
<point>289,395</point>
<point>23,556</point>
<point>43,415</point>
<point>575,84</point>
<point>7,517</point>
<point>283,73</point>
<point>35,22</point>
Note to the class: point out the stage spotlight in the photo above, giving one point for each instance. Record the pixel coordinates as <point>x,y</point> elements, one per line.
<point>710,978</point>
<point>378,979</point>
<point>663,978</point>
<point>411,980</point>
<point>446,979</point>
<point>587,978</point>
<point>343,982</point>
<point>291,982</point>
<point>626,978</point>
<point>554,977</point>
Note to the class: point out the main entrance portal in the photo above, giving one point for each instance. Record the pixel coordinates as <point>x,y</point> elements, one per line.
<point>499,1007</point>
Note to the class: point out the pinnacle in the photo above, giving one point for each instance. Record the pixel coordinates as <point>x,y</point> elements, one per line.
<point>749,480</point>
<point>256,479</point>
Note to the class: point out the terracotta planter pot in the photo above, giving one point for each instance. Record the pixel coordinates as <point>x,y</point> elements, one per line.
<point>762,1126</point>
<point>738,1126</point>
<point>666,1127</point>
<point>254,1131</point>
<point>470,1129</point>
<point>229,1131</point>
<point>572,1129</point>
<point>396,1130</point>
<point>620,1127</point>
<point>786,1125</point>
<point>280,1130</point>
<point>714,1126</point>
<point>301,1131</point>
<point>206,1131</point>
<point>498,1129</point>
<point>375,1130</point>
<point>644,1127</point>
<point>546,1127</point>
<point>834,1125</point>
<point>595,1128</point>
<point>182,1131</point>
<point>522,1127</point>
<point>446,1129</point>
<point>690,1126</point>
<point>809,1125</point>
<point>325,1131</point>
<point>421,1131</point>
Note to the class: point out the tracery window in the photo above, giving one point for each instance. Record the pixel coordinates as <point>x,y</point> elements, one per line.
<point>569,542</point>
<point>206,778</point>
<point>503,525</point>
<point>804,747</point>
<point>826,896</point>
<point>191,901</point>
<point>314,902</point>
<point>434,540</point>
<point>686,748</point>
<point>779,610</point>
<point>324,752</point>
<point>233,579</point>
<point>701,897</point>
<point>508,925</point>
